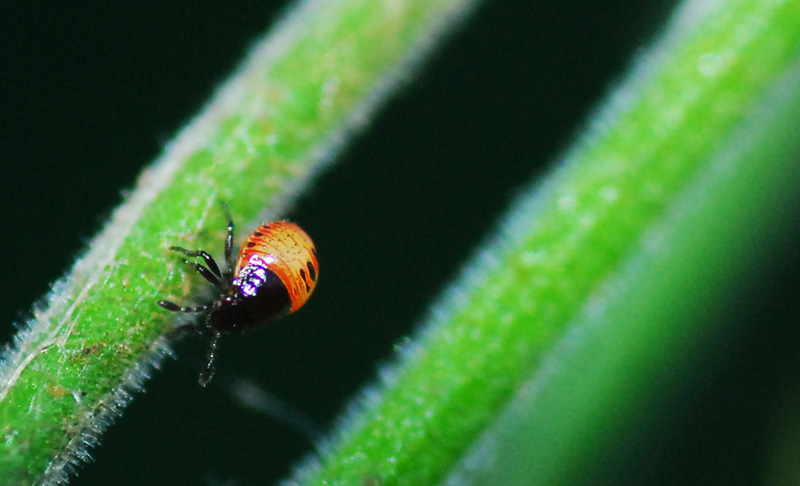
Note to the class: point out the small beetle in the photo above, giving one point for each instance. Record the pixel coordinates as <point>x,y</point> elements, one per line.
<point>274,275</point>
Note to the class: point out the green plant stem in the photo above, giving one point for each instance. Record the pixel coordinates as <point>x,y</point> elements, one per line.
<point>667,130</point>
<point>316,78</point>
<point>663,317</point>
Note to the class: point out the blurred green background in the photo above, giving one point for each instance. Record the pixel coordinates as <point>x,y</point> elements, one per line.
<point>91,94</point>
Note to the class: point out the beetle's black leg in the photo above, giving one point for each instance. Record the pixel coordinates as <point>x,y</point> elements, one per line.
<point>206,273</point>
<point>207,371</point>
<point>212,264</point>
<point>229,240</point>
<point>171,306</point>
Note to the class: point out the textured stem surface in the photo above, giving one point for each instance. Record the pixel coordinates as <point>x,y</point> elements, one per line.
<point>318,76</point>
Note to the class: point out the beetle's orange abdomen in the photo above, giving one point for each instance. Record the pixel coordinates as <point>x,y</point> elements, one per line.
<point>288,252</point>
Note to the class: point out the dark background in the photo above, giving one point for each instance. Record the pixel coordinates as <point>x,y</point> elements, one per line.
<point>91,94</point>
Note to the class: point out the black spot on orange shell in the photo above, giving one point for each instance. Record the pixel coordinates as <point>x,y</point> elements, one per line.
<point>311,271</point>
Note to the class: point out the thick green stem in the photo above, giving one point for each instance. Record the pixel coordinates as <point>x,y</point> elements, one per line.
<point>666,133</point>
<point>313,80</point>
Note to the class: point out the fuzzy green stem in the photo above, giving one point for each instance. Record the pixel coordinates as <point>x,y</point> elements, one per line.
<point>667,131</point>
<point>317,77</point>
